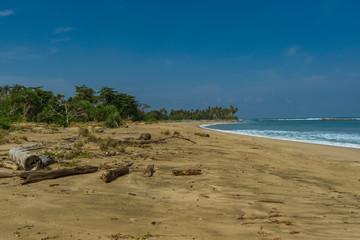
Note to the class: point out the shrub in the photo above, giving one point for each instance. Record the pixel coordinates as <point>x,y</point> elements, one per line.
<point>107,143</point>
<point>114,120</point>
<point>152,120</point>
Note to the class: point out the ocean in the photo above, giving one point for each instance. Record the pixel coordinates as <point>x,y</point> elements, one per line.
<point>337,132</point>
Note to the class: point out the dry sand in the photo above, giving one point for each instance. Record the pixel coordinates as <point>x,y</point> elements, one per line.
<point>250,188</point>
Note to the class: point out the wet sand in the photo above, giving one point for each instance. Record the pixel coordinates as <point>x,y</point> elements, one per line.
<point>250,188</point>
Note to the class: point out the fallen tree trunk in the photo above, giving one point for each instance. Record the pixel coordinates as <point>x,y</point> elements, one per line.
<point>186,172</point>
<point>8,175</point>
<point>37,176</point>
<point>111,175</point>
<point>157,140</point>
<point>165,138</point>
<point>23,156</point>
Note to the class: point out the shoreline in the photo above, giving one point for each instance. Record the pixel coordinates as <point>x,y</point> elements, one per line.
<point>249,188</point>
<point>340,145</point>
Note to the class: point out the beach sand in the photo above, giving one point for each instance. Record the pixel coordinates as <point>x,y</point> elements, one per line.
<point>250,188</point>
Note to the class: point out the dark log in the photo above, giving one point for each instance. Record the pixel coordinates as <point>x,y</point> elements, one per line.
<point>186,172</point>
<point>111,175</point>
<point>37,176</point>
<point>161,139</point>
<point>145,136</point>
<point>8,175</point>
<point>202,134</point>
<point>149,170</point>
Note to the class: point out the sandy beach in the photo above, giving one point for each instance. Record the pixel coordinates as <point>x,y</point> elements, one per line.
<point>250,188</point>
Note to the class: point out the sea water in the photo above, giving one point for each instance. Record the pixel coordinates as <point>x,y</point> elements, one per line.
<point>337,132</point>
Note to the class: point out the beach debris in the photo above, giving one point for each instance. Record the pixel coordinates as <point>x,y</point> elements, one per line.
<point>202,134</point>
<point>112,174</point>
<point>270,201</point>
<point>8,175</point>
<point>24,157</point>
<point>149,170</point>
<point>145,136</point>
<point>186,172</point>
<point>37,176</point>
<point>161,139</point>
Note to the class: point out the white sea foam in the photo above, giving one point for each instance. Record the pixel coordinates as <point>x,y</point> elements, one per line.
<point>322,138</point>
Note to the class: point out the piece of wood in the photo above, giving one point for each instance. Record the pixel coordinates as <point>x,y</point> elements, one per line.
<point>145,136</point>
<point>37,176</point>
<point>186,172</point>
<point>161,139</point>
<point>202,134</point>
<point>149,170</point>
<point>23,156</point>
<point>112,174</point>
<point>8,175</point>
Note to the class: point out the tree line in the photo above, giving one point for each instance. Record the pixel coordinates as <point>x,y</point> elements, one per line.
<point>33,104</point>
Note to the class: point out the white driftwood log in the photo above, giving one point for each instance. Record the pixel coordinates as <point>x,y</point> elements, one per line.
<point>24,157</point>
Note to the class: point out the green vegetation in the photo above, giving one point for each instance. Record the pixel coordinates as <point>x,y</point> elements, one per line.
<point>69,155</point>
<point>33,104</point>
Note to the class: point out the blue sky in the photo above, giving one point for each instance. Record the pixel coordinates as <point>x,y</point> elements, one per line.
<point>268,58</point>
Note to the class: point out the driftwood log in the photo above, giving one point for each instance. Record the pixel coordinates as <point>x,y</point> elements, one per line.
<point>23,156</point>
<point>145,136</point>
<point>161,139</point>
<point>37,176</point>
<point>186,172</point>
<point>149,170</point>
<point>111,175</point>
<point>8,175</point>
<point>202,134</point>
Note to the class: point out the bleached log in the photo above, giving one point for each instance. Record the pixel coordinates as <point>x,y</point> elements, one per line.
<point>23,157</point>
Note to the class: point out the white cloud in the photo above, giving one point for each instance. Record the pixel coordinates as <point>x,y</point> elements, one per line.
<point>27,53</point>
<point>5,13</point>
<point>63,30</point>
<point>292,50</point>
<point>57,40</point>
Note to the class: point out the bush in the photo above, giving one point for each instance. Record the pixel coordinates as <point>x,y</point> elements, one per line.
<point>114,120</point>
<point>5,125</point>
<point>108,143</point>
<point>152,120</point>
<point>104,111</point>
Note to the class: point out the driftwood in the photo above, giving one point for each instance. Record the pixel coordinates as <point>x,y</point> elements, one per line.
<point>161,139</point>
<point>145,136</point>
<point>186,172</point>
<point>110,175</point>
<point>37,176</point>
<point>8,175</point>
<point>202,134</point>
<point>149,170</point>
<point>23,156</point>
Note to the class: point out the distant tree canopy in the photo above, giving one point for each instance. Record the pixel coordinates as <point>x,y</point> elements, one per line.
<point>20,103</point>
